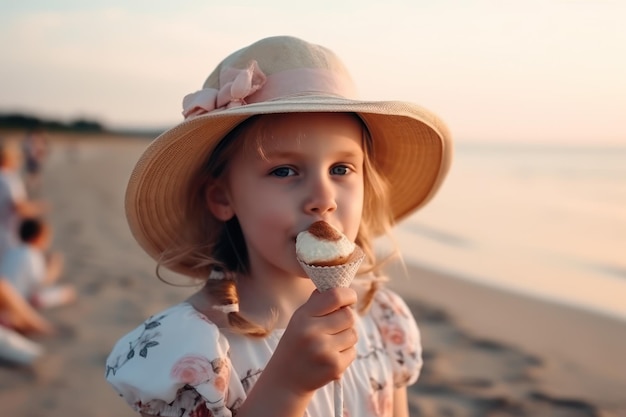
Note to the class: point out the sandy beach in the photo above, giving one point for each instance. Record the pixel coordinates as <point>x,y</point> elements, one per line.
<point>486,352</point>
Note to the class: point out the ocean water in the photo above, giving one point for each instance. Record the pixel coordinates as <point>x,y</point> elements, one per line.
<point>545,221</point>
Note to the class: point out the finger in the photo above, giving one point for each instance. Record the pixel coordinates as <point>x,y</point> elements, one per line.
<point>346,339</point>
<point>347,356</point>
<point>337,321</point>
<point>323,303</point>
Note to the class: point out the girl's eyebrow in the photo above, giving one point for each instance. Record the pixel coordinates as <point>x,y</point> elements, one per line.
<point>348,154</point>
<point>269,155</point>
<point>279,154</point>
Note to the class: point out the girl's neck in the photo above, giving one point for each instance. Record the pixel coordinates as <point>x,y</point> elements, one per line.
<point>265,293</point>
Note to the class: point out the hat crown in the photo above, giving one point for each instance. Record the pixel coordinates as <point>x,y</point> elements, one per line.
<point>288,55</point>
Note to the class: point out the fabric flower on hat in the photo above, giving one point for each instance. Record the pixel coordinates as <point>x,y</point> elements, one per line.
<point>236,86</point>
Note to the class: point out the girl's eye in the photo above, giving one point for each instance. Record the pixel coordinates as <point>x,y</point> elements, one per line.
<point>283,172</point>
<point>340,170</point>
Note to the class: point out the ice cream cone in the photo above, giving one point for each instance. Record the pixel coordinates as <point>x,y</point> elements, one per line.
<point>327,277</point>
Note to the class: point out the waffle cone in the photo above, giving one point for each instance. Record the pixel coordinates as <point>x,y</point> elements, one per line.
<point>327,277</point>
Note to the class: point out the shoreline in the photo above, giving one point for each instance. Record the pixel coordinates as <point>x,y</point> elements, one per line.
<point>573,355</point>
<point>506,269</point>
<point>540,297</point>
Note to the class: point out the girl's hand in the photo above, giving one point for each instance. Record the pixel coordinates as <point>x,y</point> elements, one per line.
<point>318,344</point>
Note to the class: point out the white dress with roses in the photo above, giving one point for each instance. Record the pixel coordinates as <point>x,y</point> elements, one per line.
<point>178,363</point>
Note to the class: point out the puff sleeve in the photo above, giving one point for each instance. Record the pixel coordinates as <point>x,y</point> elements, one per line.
<point>400,336</point>
<point>175,364</point>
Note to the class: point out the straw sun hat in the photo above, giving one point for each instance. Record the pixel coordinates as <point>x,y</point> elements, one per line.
<point>411,146</point>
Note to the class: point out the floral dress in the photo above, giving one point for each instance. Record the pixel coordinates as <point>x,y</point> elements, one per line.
<point>178,363</point>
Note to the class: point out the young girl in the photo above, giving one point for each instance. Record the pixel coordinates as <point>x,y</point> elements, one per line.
<point>273,142</point>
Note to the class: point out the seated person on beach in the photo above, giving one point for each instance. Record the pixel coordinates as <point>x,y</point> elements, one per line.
<point>14,201</point>
<point>17,318</point>
<point>33,273</point>
<point>26,279</point>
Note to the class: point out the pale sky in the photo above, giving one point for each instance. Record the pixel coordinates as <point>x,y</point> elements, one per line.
<point>532,70</point>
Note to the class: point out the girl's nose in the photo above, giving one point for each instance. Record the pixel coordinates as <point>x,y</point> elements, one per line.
<point>321,197</point>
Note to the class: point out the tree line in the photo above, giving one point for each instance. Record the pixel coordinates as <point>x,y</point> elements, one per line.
<point>25,121</point>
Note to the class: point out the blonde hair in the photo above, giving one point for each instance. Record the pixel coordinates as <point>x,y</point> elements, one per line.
<point>225,251</point>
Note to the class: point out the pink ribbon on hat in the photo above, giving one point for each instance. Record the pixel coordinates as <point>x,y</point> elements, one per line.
<point>251,85</point>
<point>238,84</point>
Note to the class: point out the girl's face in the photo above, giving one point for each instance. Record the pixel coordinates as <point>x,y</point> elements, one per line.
<point>305,167</point>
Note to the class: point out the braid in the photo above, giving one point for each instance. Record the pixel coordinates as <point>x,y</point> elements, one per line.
<point>221,285</point>
<point>244,326</point>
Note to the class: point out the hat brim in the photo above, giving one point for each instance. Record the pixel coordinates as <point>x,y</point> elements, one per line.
<point>411,146</point>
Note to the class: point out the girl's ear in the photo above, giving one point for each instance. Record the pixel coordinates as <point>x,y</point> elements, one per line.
<point>219,203</point>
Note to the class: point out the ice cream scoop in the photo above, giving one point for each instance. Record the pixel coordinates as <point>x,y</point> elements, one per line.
<point>328,257</point>
<point>323,245</point>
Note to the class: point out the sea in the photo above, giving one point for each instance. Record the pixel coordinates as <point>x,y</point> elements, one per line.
<point>546,221</point>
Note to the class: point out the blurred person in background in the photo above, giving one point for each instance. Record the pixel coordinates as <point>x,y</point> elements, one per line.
<point>33,270</point>
<point>14,201</point>
<point>17,320</point>
<point>27,284</point>
<point>35,149</point>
